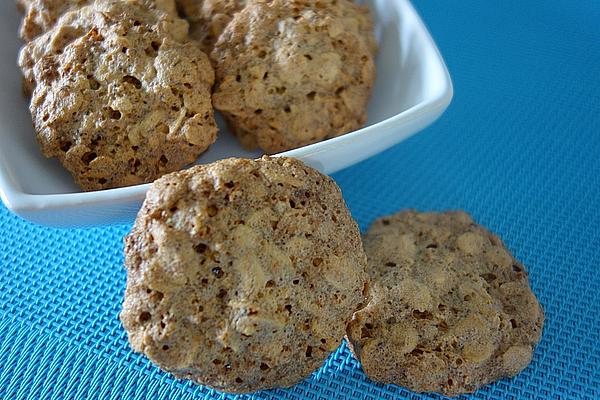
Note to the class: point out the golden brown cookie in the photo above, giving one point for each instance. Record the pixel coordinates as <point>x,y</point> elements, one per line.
<point>120,97</point>
<point>450,310</point>
<point>294,72</point>
<point>41,15</point>
<point>208,18</point>
<point>242,275</point>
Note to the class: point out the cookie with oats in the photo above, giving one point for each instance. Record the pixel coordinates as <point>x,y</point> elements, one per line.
<point>450,310</point>
<point>294,72</point>
<point>242,274</point>
<point>208,18</point>
<point>120,96</point>
<point>41,15</point>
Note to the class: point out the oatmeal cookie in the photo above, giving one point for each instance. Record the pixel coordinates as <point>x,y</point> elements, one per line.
<point>450,308</point>
<point>41,15</point>
<point>242,275</point>
<point>120,97</point>
<point>294,72</point>
<point>208,18</point>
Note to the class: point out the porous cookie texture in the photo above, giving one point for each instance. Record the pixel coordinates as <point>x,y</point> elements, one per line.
<point>450,309</point>
<point>294,72</point>
<point>41,15</point>
<point>242,275</point>
<point>120,97</point>
<point>208,18</point>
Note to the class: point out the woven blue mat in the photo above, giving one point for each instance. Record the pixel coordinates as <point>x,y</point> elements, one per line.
<point>519,148</point>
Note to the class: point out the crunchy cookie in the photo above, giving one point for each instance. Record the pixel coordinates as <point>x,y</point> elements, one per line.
<point>450,308</point>
<point>294,72</point>
<point>120,97</point>
<point>242,275</point>
<point>208,18</point>
<point>72,18</point>
<point>41,15</point>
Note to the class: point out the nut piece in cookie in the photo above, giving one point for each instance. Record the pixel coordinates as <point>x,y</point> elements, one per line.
<point>450,308</point>
<point>294,72</point>
<point>41,15</point>
<point>120,97</point>
<point>242,275</point>
<point>208,18</point>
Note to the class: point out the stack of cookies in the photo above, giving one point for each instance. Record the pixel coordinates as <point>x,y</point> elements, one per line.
<point>122,91</point>
<point>245,275</point>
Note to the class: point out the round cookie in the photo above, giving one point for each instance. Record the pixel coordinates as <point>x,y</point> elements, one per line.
<point>450,309</point>
<point>120,97</point>
<point>41,15</point>
<point>294,72</point>
<point>208,18</point>
<point>242,275</point>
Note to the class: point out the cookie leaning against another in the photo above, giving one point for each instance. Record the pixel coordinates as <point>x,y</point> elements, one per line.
<point>120,96</point>
<point>450,310</point>
<point>41,15</point>
<point>242,275</point>
<point>208,18</point>
<point>294,72</point>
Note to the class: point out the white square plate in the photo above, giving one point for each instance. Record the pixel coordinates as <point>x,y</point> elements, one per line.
<point>412,90</point>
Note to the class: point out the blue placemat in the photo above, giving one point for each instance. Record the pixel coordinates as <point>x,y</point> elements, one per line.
<point>519,148</point>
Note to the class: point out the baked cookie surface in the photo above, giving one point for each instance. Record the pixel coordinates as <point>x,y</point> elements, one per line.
<point>450,308</point>
<point>242,275</point>
<point>294,72</point>
<point>41,15</point>
<point>120,97</point>
<point>208,18</point>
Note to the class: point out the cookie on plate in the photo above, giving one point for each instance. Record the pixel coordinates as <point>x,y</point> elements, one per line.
<point>450,307</point>
<point>72,18</point>
<point>41,15</point>
<point>242,275</point>
<point>208,18</point>
<point>294,72</point>
<point>120,97</point>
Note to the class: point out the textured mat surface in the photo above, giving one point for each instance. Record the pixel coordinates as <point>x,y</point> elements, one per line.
<point>519,148</point>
